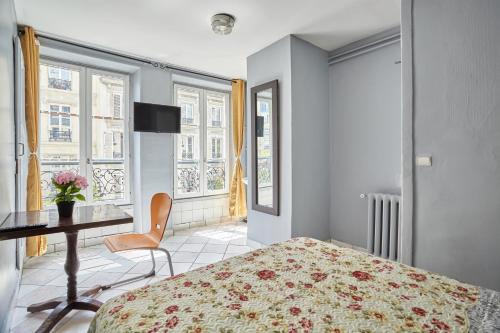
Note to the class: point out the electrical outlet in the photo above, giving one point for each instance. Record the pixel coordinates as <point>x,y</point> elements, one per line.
<point>424,161</point>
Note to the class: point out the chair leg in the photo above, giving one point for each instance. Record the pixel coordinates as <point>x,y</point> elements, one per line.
<point>169,260</point>
<point>151,273</point>
<point>137,278</point>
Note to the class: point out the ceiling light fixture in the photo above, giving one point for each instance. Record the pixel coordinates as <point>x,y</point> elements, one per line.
<point>222,24</point>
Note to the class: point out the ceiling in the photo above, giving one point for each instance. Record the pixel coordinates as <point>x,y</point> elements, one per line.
<point>179,32</point>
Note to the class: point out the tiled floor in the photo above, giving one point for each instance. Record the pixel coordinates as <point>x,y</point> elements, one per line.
<point>44,278</point>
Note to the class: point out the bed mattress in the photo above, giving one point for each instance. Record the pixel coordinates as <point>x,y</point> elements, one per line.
<point>303,285</point>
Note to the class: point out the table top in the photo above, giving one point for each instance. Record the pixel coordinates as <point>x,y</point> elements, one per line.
<point>84,217</point>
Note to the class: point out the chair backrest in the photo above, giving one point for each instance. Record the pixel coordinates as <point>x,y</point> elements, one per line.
<point>161,204</point>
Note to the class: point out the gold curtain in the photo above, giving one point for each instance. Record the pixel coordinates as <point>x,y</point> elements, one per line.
<point>237,196</point>
<point>35,246</point>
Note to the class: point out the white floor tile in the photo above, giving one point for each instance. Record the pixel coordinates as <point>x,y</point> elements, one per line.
<point>196,266</point>
<point>39,276</point>
<point>132,285</point>
<point>179,268</point>
<point>191,247</point>
<point>99,278</point>
<point>209,258</point>
<point>214,248</point>
<point>239,241</point>
<point>145,267</point>
<point>175,239</point>
<point>108,294</point>
<point>196,240</point>
<point>184,256</point>
<point>238,249</point>
<point>230,255</point>
<point>78,323</point>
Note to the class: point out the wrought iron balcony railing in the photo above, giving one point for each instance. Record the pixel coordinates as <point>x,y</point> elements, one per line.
<point>188,176</point>
<point>186,120</point>
<point>59,84</point>
<point>57,135</point>
<point>108,179</point>
<point>264,171</point>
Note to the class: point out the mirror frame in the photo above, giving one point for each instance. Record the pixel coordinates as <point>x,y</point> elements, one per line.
<point>274,210</point>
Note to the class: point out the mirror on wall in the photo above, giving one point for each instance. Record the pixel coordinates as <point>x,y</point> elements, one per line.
<point>265,145</point>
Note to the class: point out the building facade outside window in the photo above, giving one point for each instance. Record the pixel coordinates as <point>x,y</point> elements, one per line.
<point>59,78</point>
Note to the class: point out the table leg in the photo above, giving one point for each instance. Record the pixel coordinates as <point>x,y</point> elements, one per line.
<point>72,263</point>
<point>73,301</point>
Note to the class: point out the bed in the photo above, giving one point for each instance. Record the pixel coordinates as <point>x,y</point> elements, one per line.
<point>303,285</point>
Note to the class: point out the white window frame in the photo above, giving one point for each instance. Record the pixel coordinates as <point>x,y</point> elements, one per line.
<point>85,127</point>
<point>203,137</point>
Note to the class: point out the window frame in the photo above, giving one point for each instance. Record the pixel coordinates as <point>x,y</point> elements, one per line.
<point>85,125</point>
<point>204,139</point>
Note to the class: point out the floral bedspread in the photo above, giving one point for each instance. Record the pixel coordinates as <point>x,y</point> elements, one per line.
<point>301,285</point>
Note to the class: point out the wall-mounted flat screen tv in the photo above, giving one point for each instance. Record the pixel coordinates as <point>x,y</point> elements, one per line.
<point>157,118</point>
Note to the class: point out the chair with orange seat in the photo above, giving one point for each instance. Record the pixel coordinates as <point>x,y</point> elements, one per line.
<point>161,204</point>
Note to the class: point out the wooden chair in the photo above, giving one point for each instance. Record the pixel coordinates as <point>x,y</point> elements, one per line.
<point>161,204</point>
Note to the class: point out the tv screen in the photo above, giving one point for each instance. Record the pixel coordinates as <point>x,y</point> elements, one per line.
<point>157,118</point>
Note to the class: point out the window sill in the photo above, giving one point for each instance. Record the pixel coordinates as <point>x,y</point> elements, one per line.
<point>203,197</point>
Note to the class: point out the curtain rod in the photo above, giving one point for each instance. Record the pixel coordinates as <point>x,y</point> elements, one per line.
<point>129,57</point>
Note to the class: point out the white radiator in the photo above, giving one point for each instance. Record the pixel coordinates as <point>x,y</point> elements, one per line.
<point>383,238</point>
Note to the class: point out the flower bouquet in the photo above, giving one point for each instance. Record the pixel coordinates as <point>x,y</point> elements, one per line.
<point>69,184</point>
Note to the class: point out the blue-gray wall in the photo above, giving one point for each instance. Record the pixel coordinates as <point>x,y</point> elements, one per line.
<point>8,273</point>
<point>302,71</point>
<point>456,50</point>
<point>273,63</point>
<point>310,141</point>
<point>365,137</point>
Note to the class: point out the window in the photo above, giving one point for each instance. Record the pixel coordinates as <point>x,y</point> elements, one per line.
<point>59,78</point>
<point>216,116</point>
<point>117,105</point>
<point>187,147</point>
<point>86,124</point>
<point>59,126</point>
<point>216,148</point>
<point>201,166</point>
<point>187,114</point>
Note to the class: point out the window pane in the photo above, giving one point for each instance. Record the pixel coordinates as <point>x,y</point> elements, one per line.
<point>188,143</point>
<point>215,169</point>
<point>108,126</point>
<point>59,137</point>
<point>58,77</point>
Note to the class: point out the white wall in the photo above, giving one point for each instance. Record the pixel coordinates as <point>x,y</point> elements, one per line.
<point>456,50</point>
<point>365,137</point>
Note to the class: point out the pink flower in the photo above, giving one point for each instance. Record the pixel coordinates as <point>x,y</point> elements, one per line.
<point>81,182</point>
<point>65,177</point>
